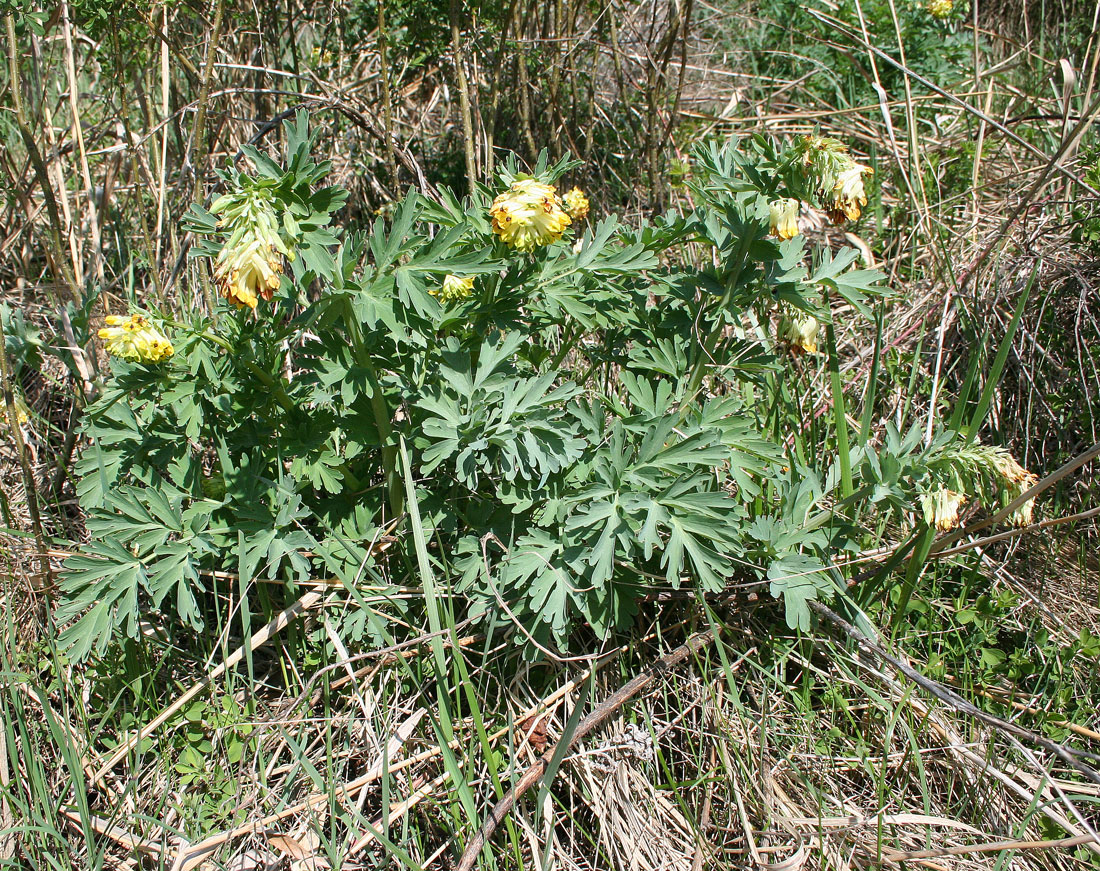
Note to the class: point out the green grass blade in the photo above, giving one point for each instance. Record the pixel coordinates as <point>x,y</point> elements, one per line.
<point>840,417</point>
<point>872,382</point>
<point>999,361</point>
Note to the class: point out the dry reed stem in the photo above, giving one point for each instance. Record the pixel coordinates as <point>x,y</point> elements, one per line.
<point>590,722</point>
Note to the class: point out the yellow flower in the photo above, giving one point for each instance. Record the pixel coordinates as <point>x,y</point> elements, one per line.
<point>576,204</point>
<point>1023,516</point>
<point>941,509</point>
<point>836,178</point>
<point>848,194</point>
<point>800,331</point>
<point>245,273</point>
<point>1017,480</point>
<point>784,217</point>
<point>939,8</point>
<point>134,338</point>
<point>22,410</point>
<point>528,215</point>
<point>454,288</point>
<point>251,260</point>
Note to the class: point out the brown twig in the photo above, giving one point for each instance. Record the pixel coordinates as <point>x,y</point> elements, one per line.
<point>950,697</point>
<point>204,97</point>
<point>591,722</point>
<point>29,487</point>
<point>993,847</point>
<point>64,277</point>
<point>281,620</point>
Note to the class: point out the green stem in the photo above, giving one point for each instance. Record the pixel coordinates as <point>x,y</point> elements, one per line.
<point>566,346</point>
<point>839,415</point>
<point>271,383</point>
<point>912,574</point>
<point>824,516</point>
<point>382,418</point>
<point>706,354</point>
<point>213,337</point>
<point>381,414</point>
<point>351,477</point>
<point>700,369</point>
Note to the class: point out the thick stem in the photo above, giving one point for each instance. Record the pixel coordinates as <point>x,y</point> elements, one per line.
<point>382,420</point>
<point>271,383</point>
<point>840,415</point>
<point>494,91</point>
<point>204,96</point>
<point>387,99</point>
<point>711,342</point>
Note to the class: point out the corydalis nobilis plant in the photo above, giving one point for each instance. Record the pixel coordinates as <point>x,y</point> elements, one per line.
<point>578,420</point>
<point>263,221</point>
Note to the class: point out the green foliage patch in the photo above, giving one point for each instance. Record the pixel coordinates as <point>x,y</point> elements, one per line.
<point>585,427</point>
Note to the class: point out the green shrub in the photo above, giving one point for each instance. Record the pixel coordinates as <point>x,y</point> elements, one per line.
<point>569,427</point>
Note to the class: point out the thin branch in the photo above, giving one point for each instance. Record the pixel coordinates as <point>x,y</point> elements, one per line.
<point>993,847</point>
<point>463,94</point>
<point>592,721</point>
<point>944,694</point>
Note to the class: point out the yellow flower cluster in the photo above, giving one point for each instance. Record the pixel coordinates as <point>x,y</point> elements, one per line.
<point>848,195</point>
<point>246,273</point>
<point>799,330</point>
<point>1017,479</point>
<point>454,288</point>
<point>997,469</point>
<point>251,261</point>
<point>784,217</point>
<point>576,204</point>
<point>940,8</point>
<point>836,176</point>
<point>134,338</point>
<point>941,508</point>
<point>528,214</point>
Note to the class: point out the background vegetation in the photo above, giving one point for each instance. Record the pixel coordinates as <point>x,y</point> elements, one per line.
<point>313,727</point>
